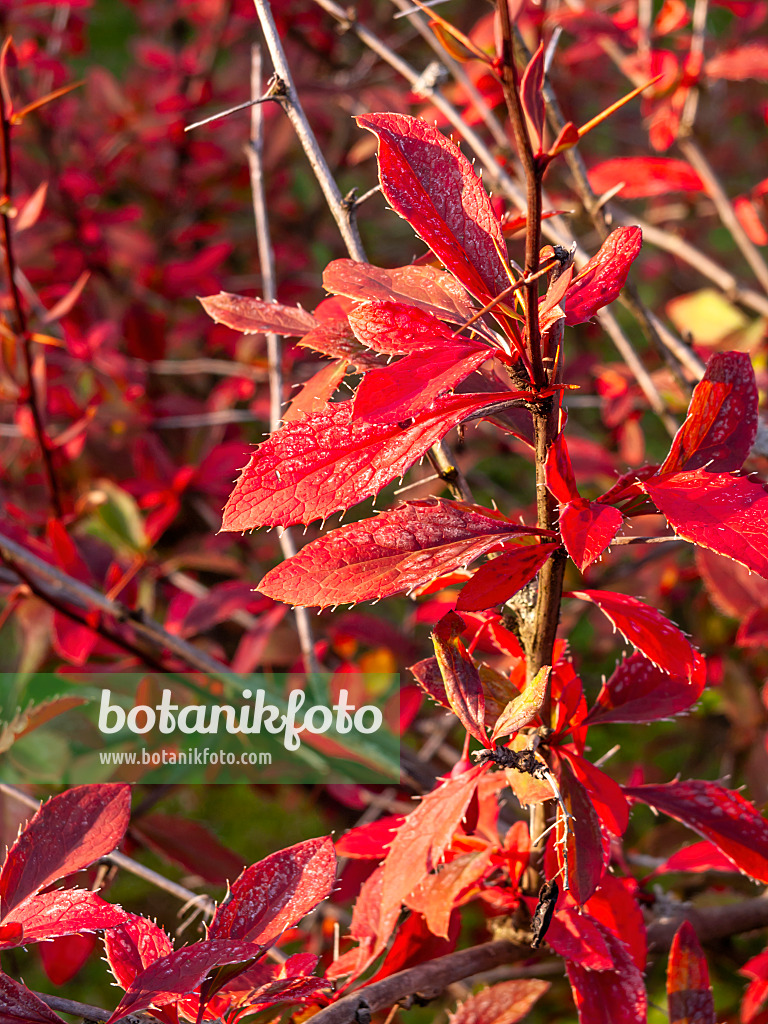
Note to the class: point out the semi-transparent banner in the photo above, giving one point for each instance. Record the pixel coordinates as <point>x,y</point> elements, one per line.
<point>176,728</point>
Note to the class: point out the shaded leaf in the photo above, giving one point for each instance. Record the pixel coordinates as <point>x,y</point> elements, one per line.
<point>689,993</point>
<point>460,676</point>
<point>532,99</point>
<point>647,629</point>
<point>587,858</point>
<point>718,814</point>
<point>503,1003</point>
<point>501,577</point>
<point>67,833</point>
<point>559,472</point>
<point>575,936</point>
<point>727,514</point>
<point>638,691</point>
<point>20,1006</point>
<point>606,795</point>
<point>731,587</point>
<point>328,462</point>
<point>391,553</point>
<point>255,316</point>
<point>438,894</point>
<point>427,288</point>
<point>698,857</point>
<point>603,277</point>
<point>428,181</point>
<point>335,339</point>
<point>721,425</point>
<point>133,946</point>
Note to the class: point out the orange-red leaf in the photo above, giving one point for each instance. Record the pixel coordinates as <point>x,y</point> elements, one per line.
<point>689,993</point>
<point>254,316</point>
<point>502,577</point>
<point>503,1003</point>
<point>460,676</point>
<point>644,176</point>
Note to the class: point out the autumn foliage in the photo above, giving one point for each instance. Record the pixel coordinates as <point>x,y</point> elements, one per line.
<point>582,557</point>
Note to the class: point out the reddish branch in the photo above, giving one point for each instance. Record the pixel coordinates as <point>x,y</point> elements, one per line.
<point>22,327</point>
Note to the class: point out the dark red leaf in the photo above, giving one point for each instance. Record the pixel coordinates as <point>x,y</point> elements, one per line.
<point>586,850</point>
<point>606,795</point>
<point>533,101</point>
<point>57,912</point>
<point>587,528</point>
<point>638,691</point>
<point>20,1006</point>
<point>576,937</point>
<point>604,276</point>
<point>424,837</point>
<point>190,844</point>
<point>328,462</point>
<point>62,958</point>
<point>276,893</point>
<point>727,514</point>
<point>721,425</point>
<point>647,629</point>
<point>460,676</point>
<point>644,176</point>
<point>718,814</point>
<point>180,973</point>
<point>614,904</point>
<point>502,576</point>
<point>503,1003</point>
<point>391,553</point>
<point>427,288</point>
<point>132,947</point>
<point>67,833</point>
<point>753,631</point>
<point>689,993</point>
<point>427,180</point>
<point>610,997</point>
<point>254,316</point>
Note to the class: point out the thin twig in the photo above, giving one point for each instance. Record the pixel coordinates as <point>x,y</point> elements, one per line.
<point>274,346</point>
<point>58,584</point>
<point>289,100</point>
<point>22,329</point>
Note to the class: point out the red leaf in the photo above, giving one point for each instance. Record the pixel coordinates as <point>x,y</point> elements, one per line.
<point>718,814</point>
<point>62,958</point>
<point>425,835</point>
<point>370,841</point>
<point>327,462</point>
<point>20,1006</point>
<point>393,552</point>
<point>757,990</point>
<point>647,629</point>
<point>255,316</point>
<point>132,947</point>
<point>606,795</point>
<point>604,276</point>
<point>180,973</point>
<point>47,915</point>
<point>427,288</point>
<point>336,340</point>
<point>610,997</point>
<point>689,992</point>
<point>587,528</point>
<point>698,857</point>
<point>427,180</point>
<point>638,691</point>
<point>753,631</point>
<point>66,834</point>
<point>614,904</point>
<point>276,893</point>
<point>503,1003</point>
<point>408,387</point>
<point>438,894</point>
<point>400,329</point>
<point>645,176</point>
<point>524,707</point>
<point>501,577</point>
<point>721,425</point>
<point>575,936</point>
<point>460,676</point>
<point>732,588</point>
<point>415,944</point>
<point>314,395</point>
<point>559,472</point>
<point>740,63</point>
<point>533,101</point>
<point>190,844</point>
<point>586,851</point>
<point>727,514</point>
